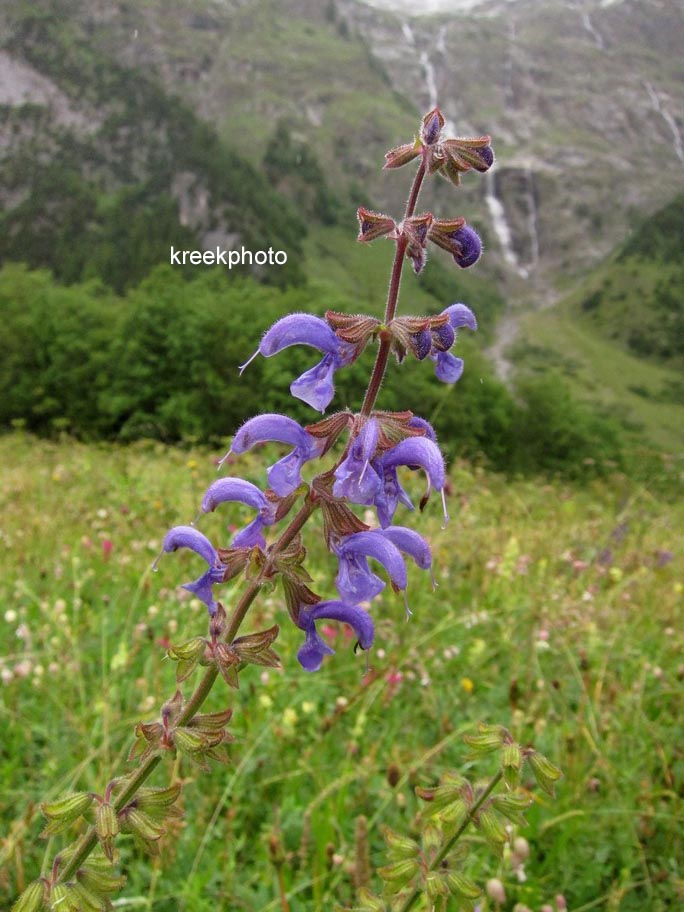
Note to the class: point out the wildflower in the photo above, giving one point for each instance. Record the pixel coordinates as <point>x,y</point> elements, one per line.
<point>284,476</point>
<point>458,239</point>
<point>315,386</point>
<point>355,582</point>
<point>312,653</point>
<point>189,537</point>
<point>355,478</point>
<point>236,489</point>
<point>449,368</point>
<point>413,452</point>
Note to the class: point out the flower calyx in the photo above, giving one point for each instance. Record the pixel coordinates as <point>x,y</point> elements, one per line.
<point>373,225</point>
<point>329,429</point>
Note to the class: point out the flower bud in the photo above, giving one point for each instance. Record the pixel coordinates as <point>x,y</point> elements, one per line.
<point>106,827</point>
<point>544,772</point>
<point>495,890</point>
<point>399,873</point>
<point>521,847</point>
<point>31,900</point>
<point>62,812</point>
<point>461,886</point>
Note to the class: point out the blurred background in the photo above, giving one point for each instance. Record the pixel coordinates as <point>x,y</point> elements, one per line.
<point>128,128</point>
<point>132,127</point>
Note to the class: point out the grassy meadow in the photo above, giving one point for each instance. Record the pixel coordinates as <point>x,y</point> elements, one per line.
<point>558,614</point>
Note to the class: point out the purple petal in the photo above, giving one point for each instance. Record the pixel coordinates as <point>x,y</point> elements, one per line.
<point>417,422</point>
<point>202,587</point>
<point>390,494</point>
<point>271,427</point>
<point>189,537</point>
<point>374,544</point>
<point>418,451</point>
<point>314,650</point>
<point>315,386</point>
<point>421,343</point>
<point>233,489</point>
<point>460,315</point>
<point>355,478</point>
<point>251,535</point>
<point>443,337</point>
<point>284,476</point>
<point>448,368</point>
<point>299,329</point>
<point>466,246</point>
<point>355,581</point>
<point>359,620</point>
<point>411,543</point>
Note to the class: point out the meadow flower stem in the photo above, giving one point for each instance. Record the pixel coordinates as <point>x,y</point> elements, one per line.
<point>380,365</point>
<point>192,706</point>
<point>450,843</point>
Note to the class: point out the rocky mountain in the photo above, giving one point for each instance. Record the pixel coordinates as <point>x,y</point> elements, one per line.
<point>184,98</point>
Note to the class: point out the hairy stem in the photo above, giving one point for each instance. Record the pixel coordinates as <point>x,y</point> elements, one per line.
<point>450,843</point>
<point>380,365</point>
<point>135,780</point>
<point>89,839</point>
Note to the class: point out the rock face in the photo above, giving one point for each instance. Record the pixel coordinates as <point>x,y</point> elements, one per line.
<point>584,101</point>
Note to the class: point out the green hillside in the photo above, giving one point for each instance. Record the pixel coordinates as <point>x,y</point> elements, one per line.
<point>618,337</point>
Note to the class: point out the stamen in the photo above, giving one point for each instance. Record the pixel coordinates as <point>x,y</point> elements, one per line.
<point>435,584</point>
<point>155,563</point>
<point>223,459</point>
<point>409,613</point>
<point>194,522</point>
<point>248,362</point>
<point>444,506</point>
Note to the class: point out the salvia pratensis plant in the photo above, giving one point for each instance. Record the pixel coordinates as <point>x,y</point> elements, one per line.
<point>376,447</point>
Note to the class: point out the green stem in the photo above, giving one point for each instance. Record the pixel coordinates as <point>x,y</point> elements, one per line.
<point>448,846</point>
<point>89,839</point>
<point>135,781</point>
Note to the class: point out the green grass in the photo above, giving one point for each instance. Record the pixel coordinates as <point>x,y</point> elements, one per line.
<point>632,389</point>
<point>534,625</point>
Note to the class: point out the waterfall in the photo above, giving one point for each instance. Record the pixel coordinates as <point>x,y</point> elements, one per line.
<point>430,80</point>
<point>407,32</point>
<point>669,120</point>
<point>532,217</point>
<point>595,34</point>
<point>500,223</point>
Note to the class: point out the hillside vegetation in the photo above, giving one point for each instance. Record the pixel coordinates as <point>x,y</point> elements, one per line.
<point>557,614</point>
<point>618,338</point>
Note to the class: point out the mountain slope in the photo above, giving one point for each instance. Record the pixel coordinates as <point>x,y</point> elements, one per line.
<point>618,337</point>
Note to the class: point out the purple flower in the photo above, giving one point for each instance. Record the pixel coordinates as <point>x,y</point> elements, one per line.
<point>466,246</point>
<point>314,650</point>
<point>315,386</point>
<point>413,452</point>
<point>449,368</point>
<point>236,489</point>
<point>284,476</point>
<point>410,542</point>
<point>355,582</point>
<point>460,315</point>
<point>417,422</point>
<point>189,537</point>
<point>355,478</point>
